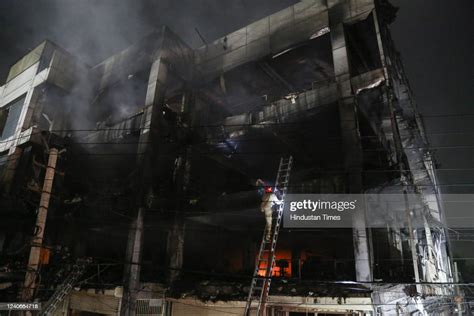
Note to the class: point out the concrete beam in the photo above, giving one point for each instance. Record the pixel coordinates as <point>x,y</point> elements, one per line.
<point>275,33</point>
<point>269,35</point>
<point>285,110</point>
<point>281,111</point>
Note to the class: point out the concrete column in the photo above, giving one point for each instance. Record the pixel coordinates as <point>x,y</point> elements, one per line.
<point>150,127</point>
<point>133,265</point>
<point>430,263</point>
<point>350,139</point>
<point>176,235</point>
<point>175,248</point>
<point>413,241</point>
<point>146,156</point>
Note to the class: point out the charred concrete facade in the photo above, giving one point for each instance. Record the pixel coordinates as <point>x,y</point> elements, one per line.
<point>161,145</point>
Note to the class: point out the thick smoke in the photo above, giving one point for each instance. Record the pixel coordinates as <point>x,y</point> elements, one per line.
<point>93,30</point>
<point>96,29</point>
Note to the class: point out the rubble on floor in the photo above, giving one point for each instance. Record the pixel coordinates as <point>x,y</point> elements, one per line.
<point>218,290</point>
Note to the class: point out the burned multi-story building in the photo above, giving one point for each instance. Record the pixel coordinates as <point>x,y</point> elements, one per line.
<point>134,180</point>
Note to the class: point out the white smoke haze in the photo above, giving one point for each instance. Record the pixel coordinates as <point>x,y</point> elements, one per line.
<point>96,29</point>
<point>93,30</point>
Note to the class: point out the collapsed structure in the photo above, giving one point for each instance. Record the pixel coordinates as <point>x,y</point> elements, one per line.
<point>155,152</point>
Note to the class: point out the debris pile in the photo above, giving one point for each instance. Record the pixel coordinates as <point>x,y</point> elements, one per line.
<point>218,290</point>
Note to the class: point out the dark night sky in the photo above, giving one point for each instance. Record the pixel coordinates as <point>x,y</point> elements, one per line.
<point>436,43</point>
<point>433,36</point>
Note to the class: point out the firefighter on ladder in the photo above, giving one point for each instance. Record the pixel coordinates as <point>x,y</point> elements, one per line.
<point>269,203</point>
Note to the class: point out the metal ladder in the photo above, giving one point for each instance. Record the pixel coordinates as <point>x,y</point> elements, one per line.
<point>260,286</point>
<point>65,288</point>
